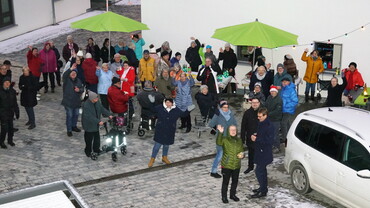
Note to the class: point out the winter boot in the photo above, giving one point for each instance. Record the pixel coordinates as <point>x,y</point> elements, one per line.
<point>312,96</point>
<point>151,162</point>
<point>183,123</point>
<point>306,97</point>
<point>188,129</point>
<point>165,160</point>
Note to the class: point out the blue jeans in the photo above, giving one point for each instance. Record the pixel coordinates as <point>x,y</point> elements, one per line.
<point>219,152</point>
<point>156,148</point>
<point>276,134</point>
<point>30,114</point>
<point>310,86</point>
<point>72,117</point>
<point>286,122</point>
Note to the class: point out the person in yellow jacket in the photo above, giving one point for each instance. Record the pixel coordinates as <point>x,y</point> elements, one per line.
<point>146,68</point>
<point>313,69</point>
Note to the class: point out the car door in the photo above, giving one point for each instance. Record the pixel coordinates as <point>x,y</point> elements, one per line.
<point>322,157</point>
<point>353,190</point>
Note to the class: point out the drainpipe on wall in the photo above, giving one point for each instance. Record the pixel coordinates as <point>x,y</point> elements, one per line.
<point>53,9</point>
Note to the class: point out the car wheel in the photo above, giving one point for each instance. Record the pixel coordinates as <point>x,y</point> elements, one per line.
<point>300,180</point>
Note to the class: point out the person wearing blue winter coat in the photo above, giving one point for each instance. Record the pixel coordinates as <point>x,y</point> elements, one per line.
<point>105,81</point>
<point>263,140</point>
<point>224,117</point>
<point>139,43</point>
<point>280,75</point>
<point>183,98</point>
<point>290,102</point>
<point>165,128</point>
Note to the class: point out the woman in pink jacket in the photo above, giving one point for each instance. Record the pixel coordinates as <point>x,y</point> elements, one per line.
<point>49,66</point>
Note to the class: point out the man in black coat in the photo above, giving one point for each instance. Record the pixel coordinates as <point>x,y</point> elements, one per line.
<point>192,55</point>
<point>8,108</point>
<point>208,76</point>
<point>248,128</point>
<point>263,155</point>
<point>229,63</point>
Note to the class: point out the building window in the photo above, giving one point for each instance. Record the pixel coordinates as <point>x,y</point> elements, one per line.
<point>6,13</point>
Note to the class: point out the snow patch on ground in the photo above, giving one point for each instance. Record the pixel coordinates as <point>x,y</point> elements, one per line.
<point>129,2</point>
<point>285,198</point>
<point>41,35</point>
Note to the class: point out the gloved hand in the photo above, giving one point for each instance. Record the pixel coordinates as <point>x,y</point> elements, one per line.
<point>191,107</point>
<point>151,98</point>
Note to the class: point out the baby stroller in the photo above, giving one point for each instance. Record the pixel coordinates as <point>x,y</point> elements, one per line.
<point>115,138</point>
<point>146,124</point>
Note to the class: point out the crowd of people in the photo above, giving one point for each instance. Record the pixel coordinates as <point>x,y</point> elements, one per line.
<point>165,95</point>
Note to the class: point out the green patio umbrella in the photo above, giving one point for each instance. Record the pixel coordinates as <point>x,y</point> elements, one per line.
<point>255,34</point>
<point>109,22</point>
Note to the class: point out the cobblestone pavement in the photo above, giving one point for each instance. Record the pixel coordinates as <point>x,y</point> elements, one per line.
<point>46,154</point>
<point>190,185</point>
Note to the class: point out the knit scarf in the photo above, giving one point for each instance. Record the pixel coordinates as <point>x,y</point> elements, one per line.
<point>226,115</point>
<point>259,77</point>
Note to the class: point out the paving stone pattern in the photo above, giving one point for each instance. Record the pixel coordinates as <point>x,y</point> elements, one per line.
<point>45,154</point>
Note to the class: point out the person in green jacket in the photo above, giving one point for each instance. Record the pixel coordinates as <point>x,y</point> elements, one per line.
<point>233,152</point>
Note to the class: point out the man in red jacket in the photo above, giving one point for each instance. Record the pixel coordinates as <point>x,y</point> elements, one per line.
<point>89,67</point>
<point>117,98</point>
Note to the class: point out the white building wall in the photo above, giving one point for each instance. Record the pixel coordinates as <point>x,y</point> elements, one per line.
<point>316,20</point>
<point>66,9</point>
<point>33,14</point>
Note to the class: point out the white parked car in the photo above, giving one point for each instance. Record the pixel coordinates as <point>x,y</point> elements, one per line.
<point>328,150</point>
